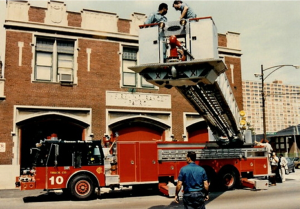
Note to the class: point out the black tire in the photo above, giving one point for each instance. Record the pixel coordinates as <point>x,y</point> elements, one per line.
<point>298,166</point>
<point>228,179</point>
<point>287,172</point>
<point>82,187</point>
<point>212,178</point>
<point>293,170</point>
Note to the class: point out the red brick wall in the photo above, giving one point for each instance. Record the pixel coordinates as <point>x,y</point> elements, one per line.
<point>179,105</point>
<point>222,40</point>
<point>36,14</point>
<point>17,79</point>
<point>237,85</point>
<point>104,61</point>
<point>123,26</point>
<point>74,19</point>
<point>90,92</point>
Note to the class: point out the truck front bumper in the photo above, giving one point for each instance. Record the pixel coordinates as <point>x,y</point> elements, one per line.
<point>25,185</point>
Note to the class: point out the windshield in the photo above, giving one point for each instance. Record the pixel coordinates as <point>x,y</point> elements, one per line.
<point>40,156</point>
<point>68,154</point>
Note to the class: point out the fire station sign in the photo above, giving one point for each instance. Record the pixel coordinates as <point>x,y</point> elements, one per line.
<point>128,99</point>
<point>2,147</point>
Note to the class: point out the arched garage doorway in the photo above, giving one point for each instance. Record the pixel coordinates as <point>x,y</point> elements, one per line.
<point>139,129</point>
<point>38,128</point>
<point>198,132</point>
<point>137,149</point>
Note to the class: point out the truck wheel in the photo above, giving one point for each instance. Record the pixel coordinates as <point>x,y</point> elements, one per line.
<point>82,187</point>
<point>298,166</point>
<point>228,179</point>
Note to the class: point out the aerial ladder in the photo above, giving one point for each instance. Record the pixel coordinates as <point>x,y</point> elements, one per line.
<point>185,55</point>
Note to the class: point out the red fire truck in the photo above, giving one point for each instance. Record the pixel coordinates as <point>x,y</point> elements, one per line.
<point>79,167</point>
<point>183,55</point>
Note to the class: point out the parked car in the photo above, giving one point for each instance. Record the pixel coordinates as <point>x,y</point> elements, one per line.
<point>291,165</point>
<point>297,162</point>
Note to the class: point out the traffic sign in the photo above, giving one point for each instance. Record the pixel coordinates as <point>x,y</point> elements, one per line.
<point>271,133</point>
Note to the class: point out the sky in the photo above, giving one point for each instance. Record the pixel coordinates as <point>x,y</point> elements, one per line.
<point>269,30</point>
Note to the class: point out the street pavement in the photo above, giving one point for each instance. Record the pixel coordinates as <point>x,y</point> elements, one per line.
<point>16,193</point>
<point>294,176</point>
<point>14,198</point>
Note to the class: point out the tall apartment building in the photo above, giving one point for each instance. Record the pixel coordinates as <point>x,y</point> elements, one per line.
<point>66,73</point>
<point>282,105</point>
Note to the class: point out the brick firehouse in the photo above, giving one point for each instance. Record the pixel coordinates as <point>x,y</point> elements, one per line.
<point>65,74</point>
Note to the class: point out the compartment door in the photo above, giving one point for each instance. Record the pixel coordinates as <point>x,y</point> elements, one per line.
<point>148,166</point>
<point>127,164</point>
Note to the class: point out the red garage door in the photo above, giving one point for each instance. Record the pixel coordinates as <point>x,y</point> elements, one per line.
<point>200,136</point>
<point>198,133</point>
<point>140,133</point>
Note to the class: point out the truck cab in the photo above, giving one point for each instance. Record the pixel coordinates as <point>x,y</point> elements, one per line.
<point>73,166</point>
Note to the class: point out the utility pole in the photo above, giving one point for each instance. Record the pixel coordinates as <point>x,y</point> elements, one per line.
<point>263,102</point>
<point>295,141</point>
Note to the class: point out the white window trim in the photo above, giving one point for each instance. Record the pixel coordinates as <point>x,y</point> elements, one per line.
<point>69,112</point>
<point>186,123</point>
<point>139,78</point>
<point>33,61</point>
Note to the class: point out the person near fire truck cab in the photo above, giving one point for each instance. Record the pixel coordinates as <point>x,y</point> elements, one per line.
<point>269,149</point>
<point>274,167</point>
<point>186,11</point>
<point>282,164</point>
<point>265,143</point>
<point>159,16</point>
<point>194,180</point>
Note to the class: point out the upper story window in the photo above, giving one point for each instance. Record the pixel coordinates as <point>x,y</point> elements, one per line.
<point>129,77</point>
<point>54,60</point>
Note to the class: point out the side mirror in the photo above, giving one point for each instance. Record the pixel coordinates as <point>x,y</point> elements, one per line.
<point>56,154</point>
<point>31,150</point>
<point>56,150</point>
<point>96,151</point>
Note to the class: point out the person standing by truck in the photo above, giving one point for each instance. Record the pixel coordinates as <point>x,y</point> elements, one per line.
<point>282,166</point>
<point>274,167</point>
<point>269,149</point>
<point>194,180</point>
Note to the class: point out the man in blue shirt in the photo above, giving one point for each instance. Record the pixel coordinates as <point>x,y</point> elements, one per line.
<point>158,16</point>
<point>195,185</point>
<point>186,11</point>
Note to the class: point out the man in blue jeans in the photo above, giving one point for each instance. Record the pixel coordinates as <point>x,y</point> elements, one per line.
<point>195,185</point>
